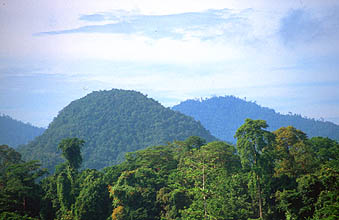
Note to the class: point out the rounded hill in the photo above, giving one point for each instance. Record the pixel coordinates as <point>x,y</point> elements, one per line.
<point>222,116</point>
<point>112,123</point>
<point>14,132</point>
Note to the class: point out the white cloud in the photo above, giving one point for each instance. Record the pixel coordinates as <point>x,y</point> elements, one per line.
<point>244,56</point>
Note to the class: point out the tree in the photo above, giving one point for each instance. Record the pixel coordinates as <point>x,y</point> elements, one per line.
<point>93,201</point>
<point>71,151</point>
<point>50,204</point>
<point>194,142</point>
<point>8,155</point>
<point>326,150</point>
<point>66,180</point>
<point>159,158</point>
<point>316,194</point>
<point>19,192</point>
<point>255,146</point>
<point>202,173</point>
<point>294,154</point>
<point>315,197</point>
<point>134,195</point>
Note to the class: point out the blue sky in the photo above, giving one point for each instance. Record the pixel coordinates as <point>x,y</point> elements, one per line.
<point>281,54</point>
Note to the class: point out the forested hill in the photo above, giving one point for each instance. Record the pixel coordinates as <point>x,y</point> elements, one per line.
<point>222,116</point>
<point>15,133</point>
<point>112,123</point>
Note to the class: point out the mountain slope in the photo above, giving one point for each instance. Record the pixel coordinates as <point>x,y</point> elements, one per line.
<point>14,133</point>
<point>222,116</point>
<point>112,123</point>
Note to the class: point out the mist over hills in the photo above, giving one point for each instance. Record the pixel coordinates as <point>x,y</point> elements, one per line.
<point>15,133</point>
<point>222,116</point>
<point>112,123</point>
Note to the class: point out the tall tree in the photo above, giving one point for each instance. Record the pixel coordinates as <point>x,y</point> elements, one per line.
<point>255,146</point>
<point>71,151</point>
<point>294,154</point>
<point>66,180</point>
<point>201,172</point>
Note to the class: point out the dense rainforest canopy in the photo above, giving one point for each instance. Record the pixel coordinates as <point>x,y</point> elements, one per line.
<point>222,116</point>
<point>15,133</point>
<point>120,155</point>
<point>111,123</point>
<point>267,175</point>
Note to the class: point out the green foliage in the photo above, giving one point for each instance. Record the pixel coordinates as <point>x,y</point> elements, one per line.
<point>194,142</point>
<point>112,123</point>
<point>186,180</point>
<point>65,191</point>
<point>75,195</point>
<point>231,199</point>
<point>255,146</point>
<point>317,191</point>
<point>222,116</point>
<point>93,199</point>
<point>70,194</point>
<point>135,191</point>
<point>50,205</point>
<point>325,150</point>
<point>159,158</point>
<point>316,196</point>
<point>202,175</point>
<point>279,175</point>
<point>71,151</point>
<point>14,216</point>
<point>8,156</point>
<point>293,153</point>
<point>19,192</point>
<point>15,133</point>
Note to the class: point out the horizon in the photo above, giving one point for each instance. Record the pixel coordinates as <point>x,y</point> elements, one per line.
<point>283,56</point>
<point>200,99</point>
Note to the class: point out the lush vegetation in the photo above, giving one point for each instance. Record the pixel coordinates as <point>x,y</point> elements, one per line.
<point>111,123</point>
<point>20,195</point>
<point>267,175</point>
<point>223,115</point>
<point>15,133</point>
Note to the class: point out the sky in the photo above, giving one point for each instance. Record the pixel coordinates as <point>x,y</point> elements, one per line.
<point>282,54</point>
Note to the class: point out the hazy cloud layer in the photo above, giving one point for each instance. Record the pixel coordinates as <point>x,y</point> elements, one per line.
<point>302,27</point>
<point>205,25</point>
<point>284,56</point>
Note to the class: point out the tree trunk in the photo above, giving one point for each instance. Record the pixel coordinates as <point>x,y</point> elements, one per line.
<point>203,188</point>
<point>259,189</point>
<point>24,203</point>
<point>259,198</point>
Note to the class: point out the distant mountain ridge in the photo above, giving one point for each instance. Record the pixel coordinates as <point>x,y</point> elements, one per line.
<point>112,123</point>
<point>222,116</point>
<point>14,132</point>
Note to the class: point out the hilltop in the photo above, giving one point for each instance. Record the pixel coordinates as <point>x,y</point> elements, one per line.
<point>222,116</point>
<point>15,133</point>
<point>112,123</point>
